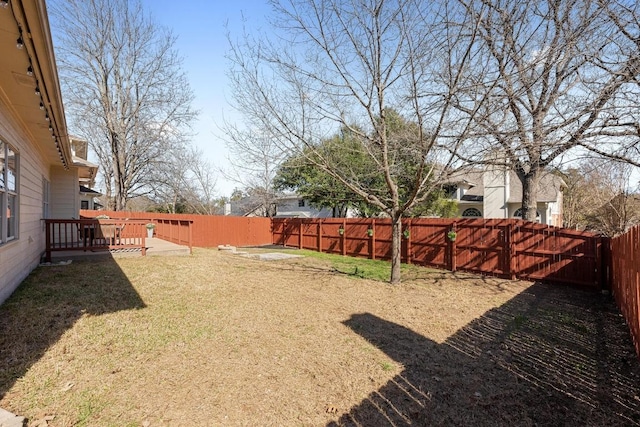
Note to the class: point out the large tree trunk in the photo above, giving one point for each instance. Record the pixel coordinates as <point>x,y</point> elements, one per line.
<point>530,186</point>
<point>121,202</point>
<point>396,249</point>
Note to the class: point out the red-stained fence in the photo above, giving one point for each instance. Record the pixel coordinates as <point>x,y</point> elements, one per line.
<point>625,279</point>
<point>508,248</point>
<point>206,231</point>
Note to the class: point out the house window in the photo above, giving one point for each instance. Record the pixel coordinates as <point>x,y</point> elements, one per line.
<point>301,203</point>
<point>8,193</point>
<point>472,213</point>
<point>45,198</point>
<point>450,191</point>
<point>84,204</point>
<point>518,214</point>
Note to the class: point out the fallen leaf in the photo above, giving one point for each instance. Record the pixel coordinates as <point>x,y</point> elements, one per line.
<point>68,386</point>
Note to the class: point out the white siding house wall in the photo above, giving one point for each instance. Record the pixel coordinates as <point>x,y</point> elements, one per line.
<point>496,187</point>
<point>65,197</point>
<point>87,198</point>
<point>18,257</point>
<point>290,207</point>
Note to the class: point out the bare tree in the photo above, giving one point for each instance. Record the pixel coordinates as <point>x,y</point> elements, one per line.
<point>599,197</point>
<point>168,181</point>
<point>567,74</point>
<point>201,179</point>
<point>331,65</point>
<point>186,183</point>
<point>253,162</point>
<point>124,89</point>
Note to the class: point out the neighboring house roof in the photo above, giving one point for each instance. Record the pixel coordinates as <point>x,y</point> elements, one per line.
<point>79,147</point>
<point>86,190</point>
<point>246,206</point>
<point>86,170</point>
<point>549,187</point>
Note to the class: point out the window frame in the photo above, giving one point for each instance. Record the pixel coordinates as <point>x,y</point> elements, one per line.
<point>9,231</point>
<point>46,197</point>
<point>521,212</point>
<point>472,216</point>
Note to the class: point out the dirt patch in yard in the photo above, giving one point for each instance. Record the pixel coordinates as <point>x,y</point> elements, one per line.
<point>218,339</point>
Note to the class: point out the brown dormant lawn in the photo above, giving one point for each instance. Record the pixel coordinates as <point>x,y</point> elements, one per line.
<point>217,339</point>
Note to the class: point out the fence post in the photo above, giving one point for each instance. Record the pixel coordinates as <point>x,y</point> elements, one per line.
<point>343,240</point>
<point>300,234</point>
<point>273,231</point>
<point>509,251</point>
<point>410,228</point>
<point>453,247</point>
<point>47,227</point>
<point>320,235</point>
<point>372,240</point>
<point>603,261</point>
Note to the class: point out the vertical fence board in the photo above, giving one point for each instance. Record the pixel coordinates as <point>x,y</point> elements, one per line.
<point>625,279</point>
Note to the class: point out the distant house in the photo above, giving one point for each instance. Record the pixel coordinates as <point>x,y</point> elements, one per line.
<point>88,198</point>
<point>495,193</point>
<point>294,206</point>
<point>39,177</point>
<point>87,172</point>
<point>248,206</point>
<point>284,206</point>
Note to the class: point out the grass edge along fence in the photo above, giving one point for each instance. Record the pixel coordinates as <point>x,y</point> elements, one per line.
<point>502,247</point>
<point>625,279</point>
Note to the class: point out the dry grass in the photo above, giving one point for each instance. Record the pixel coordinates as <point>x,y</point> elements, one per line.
<point>216,339</point>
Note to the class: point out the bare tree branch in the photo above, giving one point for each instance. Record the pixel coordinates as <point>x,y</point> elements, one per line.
<point>124,89</point>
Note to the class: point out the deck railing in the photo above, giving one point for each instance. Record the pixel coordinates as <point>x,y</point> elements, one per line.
<point>94,234</point>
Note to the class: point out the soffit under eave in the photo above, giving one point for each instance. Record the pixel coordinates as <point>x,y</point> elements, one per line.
<point>31,17</point>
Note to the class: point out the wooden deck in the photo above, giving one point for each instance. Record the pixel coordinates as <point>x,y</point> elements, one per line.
<point>154,247</point>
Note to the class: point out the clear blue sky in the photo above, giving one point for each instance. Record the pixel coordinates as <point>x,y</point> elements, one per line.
<point>202,42</point>
<point>201,29</point>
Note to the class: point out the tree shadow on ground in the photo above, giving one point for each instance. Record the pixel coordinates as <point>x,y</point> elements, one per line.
<point>49,302</point>
<point>549,356</point>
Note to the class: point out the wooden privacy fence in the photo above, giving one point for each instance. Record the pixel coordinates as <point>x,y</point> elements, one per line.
<point>625,279</point>
<point>178,231</point>
<point>508,248</point>
<point>206,230</point>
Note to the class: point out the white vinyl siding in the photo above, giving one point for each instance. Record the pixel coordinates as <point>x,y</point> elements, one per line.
<point>65,197</point>
<point>19,256</point>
